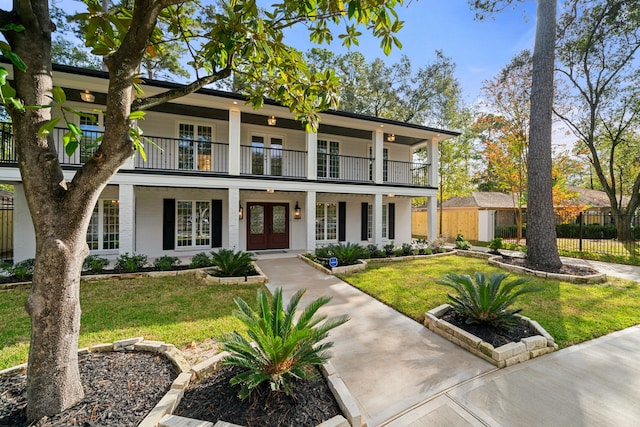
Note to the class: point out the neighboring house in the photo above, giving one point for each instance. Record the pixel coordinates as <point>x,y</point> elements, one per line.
<point>221,174</point>
<point>477,216</point>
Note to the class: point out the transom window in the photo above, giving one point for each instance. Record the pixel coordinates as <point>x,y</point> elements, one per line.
<point>194,146</point>
<point>328,159</point>
<point>193,223</point>
<point>104,227</point>
<point>326,221</point>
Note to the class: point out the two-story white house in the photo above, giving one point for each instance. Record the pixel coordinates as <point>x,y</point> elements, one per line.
<point>220,174</point>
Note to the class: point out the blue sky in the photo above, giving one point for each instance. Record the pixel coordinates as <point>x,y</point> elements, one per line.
<point>479,49</point>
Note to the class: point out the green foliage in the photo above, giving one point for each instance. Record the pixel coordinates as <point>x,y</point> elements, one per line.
<point>437,245</point>
<point>486,301</point>
<point>95,263</point>
<point>130,263</point>
<point>348,253</point>
<point>22,270</point>
<point>166,263</point>
<point>374,252</point>
<point>229,263</point>
<point>398,252</point>
<point>462,243</point>
<point>200,260</point>
<point>324,252</point>
<point>495,245</point>
<point>284,349</point>
<point>389,249</point>
<point>407,249</point>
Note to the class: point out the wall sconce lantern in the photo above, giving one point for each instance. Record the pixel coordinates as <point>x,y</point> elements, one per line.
<point>391,137</point>
<point>297,212</point>
<point>271,121</point>
<point>87,96</point>
<point>240,212</point>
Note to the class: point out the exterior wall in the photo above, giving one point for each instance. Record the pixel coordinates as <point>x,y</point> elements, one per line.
<point>23,233</point>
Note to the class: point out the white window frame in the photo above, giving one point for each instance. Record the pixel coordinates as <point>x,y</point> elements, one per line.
<point>195,141</point>
<point>385,222</point>
<point>266,161</point>
<point>328,155</point>
<point>101,226</point>
<point>325,218</point>
<point>194,233</point>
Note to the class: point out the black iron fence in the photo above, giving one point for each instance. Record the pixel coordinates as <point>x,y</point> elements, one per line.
<point>588,232</point>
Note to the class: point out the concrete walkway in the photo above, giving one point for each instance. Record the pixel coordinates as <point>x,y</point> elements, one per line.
<point>402,374</point>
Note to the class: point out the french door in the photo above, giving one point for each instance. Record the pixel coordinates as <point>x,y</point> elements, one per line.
<point>267,226</point>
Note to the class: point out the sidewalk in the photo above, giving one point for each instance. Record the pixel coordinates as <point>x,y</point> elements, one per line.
<point>402,374</point>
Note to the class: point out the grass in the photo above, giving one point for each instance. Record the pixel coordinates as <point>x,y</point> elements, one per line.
<point>178,310</point>
<point>570,313</point>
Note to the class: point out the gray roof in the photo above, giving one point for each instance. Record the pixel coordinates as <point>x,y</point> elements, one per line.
<point>482,200</point>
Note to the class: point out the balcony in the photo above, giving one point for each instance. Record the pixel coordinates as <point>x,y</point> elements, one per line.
<point>170,154</point>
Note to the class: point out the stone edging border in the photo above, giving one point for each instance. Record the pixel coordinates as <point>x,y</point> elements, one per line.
<point>261,278</point>
<point>162,414</point>
<point>503,356</point>
<point>364,262</point>
<point>590,279</point>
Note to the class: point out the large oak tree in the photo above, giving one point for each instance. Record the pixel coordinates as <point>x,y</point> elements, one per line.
<point>237,36</point>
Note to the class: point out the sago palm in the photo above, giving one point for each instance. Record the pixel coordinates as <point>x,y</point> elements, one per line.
<point>282,349</point>
<point>486,300</point>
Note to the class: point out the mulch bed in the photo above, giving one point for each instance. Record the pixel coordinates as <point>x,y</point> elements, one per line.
<point>575,270</point>
<point>214,399</point>
<point>120,389</point>
<point>494,336</point>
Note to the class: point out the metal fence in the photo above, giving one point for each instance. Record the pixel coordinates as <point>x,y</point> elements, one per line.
<point>588,232</point>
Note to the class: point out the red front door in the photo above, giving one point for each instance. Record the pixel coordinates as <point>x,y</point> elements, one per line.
<point>267,226</point>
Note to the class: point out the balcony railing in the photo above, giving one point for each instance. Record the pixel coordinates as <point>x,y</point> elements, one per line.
<point>268,161</point>
<point>203,156</point>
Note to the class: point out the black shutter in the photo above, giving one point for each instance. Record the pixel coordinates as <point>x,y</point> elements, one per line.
<point>391,217</point>
<point>168,224</point>
<point>364,222</point>
<point>216,223</point>
<point>342,221</point>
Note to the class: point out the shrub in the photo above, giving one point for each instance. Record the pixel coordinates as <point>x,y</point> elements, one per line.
<point>324,252</point>
<point>22,270</point>
<point>407,249</point>
<point>284,349</point>
<point>166,263</point>
<point>421,245</point>
<point>495,245</point>
<point>373,251</point>
<point>462,243</point>
<point>200,260</point>
<point>130,263</point>
<point>229,263</point>
<point>95,263</point>
<point>389,249</point>
<point>486,301</point>
<point>348,253</point>
<point>398,252</point>
<point>437,245</point>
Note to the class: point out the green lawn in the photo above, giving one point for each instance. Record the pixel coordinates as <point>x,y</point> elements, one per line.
<point>178,310</point>
<point>570,313</point>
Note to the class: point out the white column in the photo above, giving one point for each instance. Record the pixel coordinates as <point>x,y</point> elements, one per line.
<point>310,220</point>
<point>233,205</point>
<point>434,160</point>
<point>432,217</point>
<point>127,218</point>
<point>312,155</point>
<point>234,141</point>
<point>377,220</point>
<point>24,235</point>
<point>378,154</point>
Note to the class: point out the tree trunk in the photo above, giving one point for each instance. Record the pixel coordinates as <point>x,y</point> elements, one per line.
<point>541,233</point>
<point>625,232</point>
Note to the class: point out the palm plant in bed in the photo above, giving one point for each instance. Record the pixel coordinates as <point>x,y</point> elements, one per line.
<point>283,349</point>
<point>229,263</point>
<point>486,300</point>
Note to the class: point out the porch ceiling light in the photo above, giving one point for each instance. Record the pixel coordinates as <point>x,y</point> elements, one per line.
<point>271,121</point>
<point>391,137</point>
<point>297,212</point>
<point>270,190</point>
<point>87,96</point>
